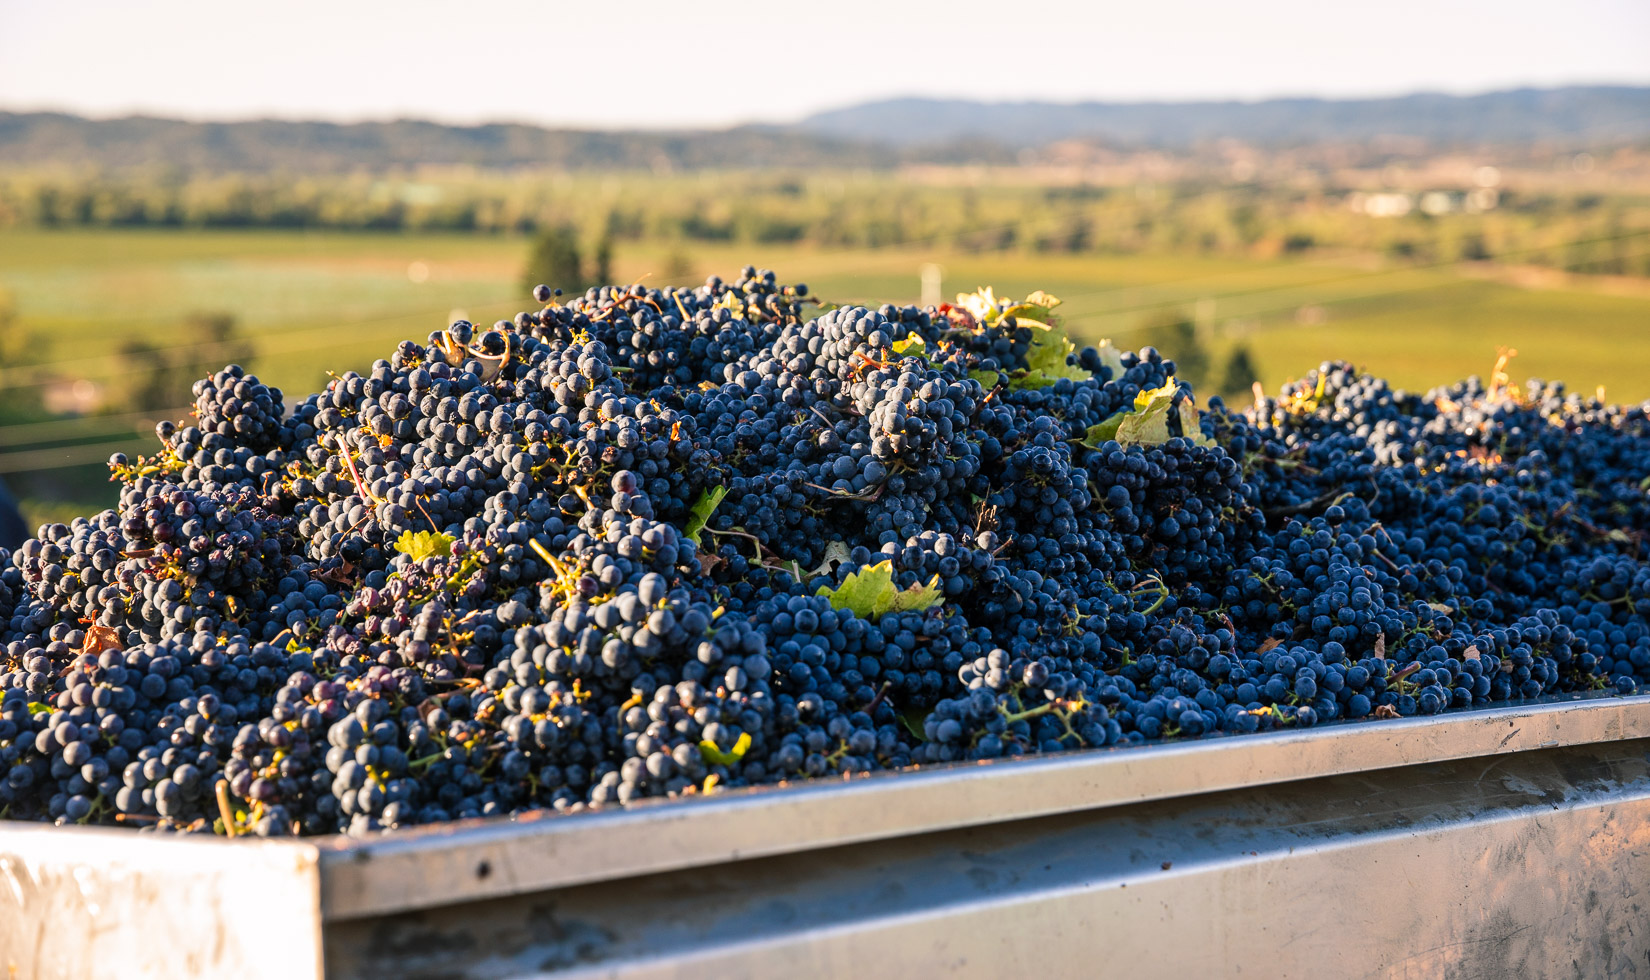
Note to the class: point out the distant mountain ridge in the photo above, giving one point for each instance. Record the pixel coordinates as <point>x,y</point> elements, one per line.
<point>47,138</point>
<point>875,135</point>
<point>1601,113</point>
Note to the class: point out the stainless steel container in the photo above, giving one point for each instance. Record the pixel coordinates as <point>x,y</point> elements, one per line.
<point>1506,843</point>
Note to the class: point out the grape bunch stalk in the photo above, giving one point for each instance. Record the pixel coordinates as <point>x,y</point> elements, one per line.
<point>641,543</point>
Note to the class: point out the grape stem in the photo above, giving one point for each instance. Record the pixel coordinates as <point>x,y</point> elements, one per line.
<point>225,811</point>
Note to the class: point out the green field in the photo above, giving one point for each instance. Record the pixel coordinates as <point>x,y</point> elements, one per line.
<point>310,302</point>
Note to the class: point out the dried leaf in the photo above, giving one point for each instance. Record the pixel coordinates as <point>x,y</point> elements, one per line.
<point>1380,647</point>
<point>1471,653</point>
<point>1190,426</point>
<point>835,553</point>
<point>1271,643</point>
<point>1386,711</point>
<point>100,638</point>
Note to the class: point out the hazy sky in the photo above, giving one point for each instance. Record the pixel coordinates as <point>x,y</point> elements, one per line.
<point>688,63</point>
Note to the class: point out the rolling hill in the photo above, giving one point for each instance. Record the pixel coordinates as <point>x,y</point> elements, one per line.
<point>873,135</point>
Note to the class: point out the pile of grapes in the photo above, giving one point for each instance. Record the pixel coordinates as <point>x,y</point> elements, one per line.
<point>652,543</point>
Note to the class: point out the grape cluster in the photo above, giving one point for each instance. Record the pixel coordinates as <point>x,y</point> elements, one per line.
<point>660,542</point>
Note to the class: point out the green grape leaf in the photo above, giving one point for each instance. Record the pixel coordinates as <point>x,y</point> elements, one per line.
<point>703,507</point>
<point>1145,428</point>
<point>716,757</point>
<point>1147,423</point>
<point>1104,431</point>
<point>987,379</point>
<point>36,709</point>
<point>917,598</point>
<point>1049,357</point>
<point>870,592</point>
<point>1046,364</point>
<point>911,719</point>
<point>424,544</point>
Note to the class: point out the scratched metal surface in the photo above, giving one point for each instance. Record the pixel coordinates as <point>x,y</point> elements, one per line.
<point>489,859</point>
<point>87,904</point>
<point>1529,865</point>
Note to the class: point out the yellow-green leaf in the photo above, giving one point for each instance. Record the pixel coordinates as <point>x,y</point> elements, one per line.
<point>917,598</point>
<point>1046,300</point>
<point>861,591</point>
<point>1148,424</point>
<point>732,302</point>
<point>37,708</point>
<point>870,592</point>
<point>912,346</point>
<point>424,544</point>
<point>716,757</point>
<point>1147,397</point>
<point>1036,310</point>
<point>1145,428</point>
<point>702,509</point>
